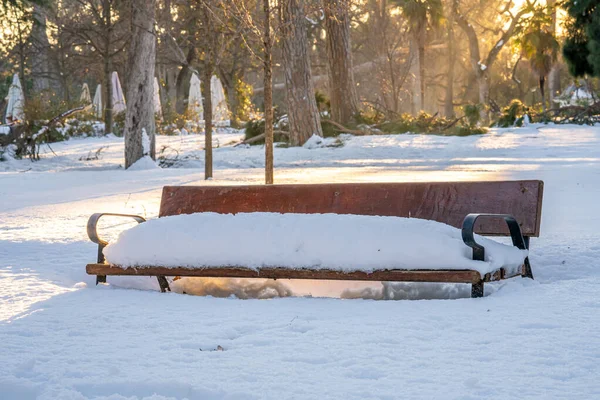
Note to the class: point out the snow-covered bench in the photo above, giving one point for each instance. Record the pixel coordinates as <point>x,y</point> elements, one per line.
<point>504,208</point>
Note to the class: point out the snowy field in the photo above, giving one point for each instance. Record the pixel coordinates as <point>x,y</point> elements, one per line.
<point>63,338</point>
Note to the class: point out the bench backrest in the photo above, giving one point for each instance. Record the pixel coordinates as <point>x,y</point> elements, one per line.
<point>447,202</point>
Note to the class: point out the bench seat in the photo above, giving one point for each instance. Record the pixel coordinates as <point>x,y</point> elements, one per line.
<point>393,275</point>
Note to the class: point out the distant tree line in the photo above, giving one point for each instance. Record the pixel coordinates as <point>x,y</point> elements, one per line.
<point>319,62</point>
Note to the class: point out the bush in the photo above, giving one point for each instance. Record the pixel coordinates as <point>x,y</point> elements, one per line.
<point>329,130</point>
<point>40,110</point>
<point>168,112</point>
<point>323,103</point>
<point>369,116</point>
<point>253,128</point>
<point>78,127</point>
<point>119,123</point>
<point>472,114</point>
<point>425,123</point>
<point>256,127</point>
<point>513,114</point>
<point>465,130</point>
<point>44,107</point>
<point>422,123</point>
<point>405,123</point>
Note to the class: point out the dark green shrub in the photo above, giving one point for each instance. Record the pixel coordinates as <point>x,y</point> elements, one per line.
<point>369,116</point>
<point>119,123</point>
<point>405,123</point>
<point>323,103</point>
<point>472,114</point>
<point>512,115</point>
<point>255,127</point>
<point>425,123</point>
<point>465,130</point>
<point>329,130</point>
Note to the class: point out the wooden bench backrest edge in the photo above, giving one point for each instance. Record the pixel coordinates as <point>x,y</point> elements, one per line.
<point>446,202</point>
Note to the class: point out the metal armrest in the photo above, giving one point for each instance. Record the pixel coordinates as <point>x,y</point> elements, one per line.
<point>515,233</point>
<point>92,231</point>
<point>478,250</point>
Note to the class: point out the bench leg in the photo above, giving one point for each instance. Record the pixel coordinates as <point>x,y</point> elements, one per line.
<point>477,290</point>
<point>100,278</point>
<point>163,283</point>
<point>527,273</point>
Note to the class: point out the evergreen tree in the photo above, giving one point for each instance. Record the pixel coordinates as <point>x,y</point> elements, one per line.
<point>582,45</point>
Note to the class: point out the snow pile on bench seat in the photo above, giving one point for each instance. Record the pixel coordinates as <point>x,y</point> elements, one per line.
<point>315,241</point>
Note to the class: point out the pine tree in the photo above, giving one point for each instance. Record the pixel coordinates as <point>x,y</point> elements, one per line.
<point>582,45</point>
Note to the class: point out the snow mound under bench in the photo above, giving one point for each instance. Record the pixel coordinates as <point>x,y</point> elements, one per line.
<point>296,241</point>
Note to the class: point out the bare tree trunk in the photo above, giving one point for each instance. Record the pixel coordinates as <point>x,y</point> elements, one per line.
<point>108,98</point>
<point>554,77</point>
<point>484,96</point>
<point>415,103</point>
<point>516,80</point>
<point>40,43</point>
<point>171,81</point>
<point>232,79</point>
<point>268,94</point>
<point>229,87</point>
<point>140,85</point>
<point>304,119</point>
<point>22,55</point>
<point>481,66</point>
<point>208,117</point>
<point>542,92</point>
<point>554,83</point>
<point>207,92</point>
<point>182,88</point>
<point>168,73</point>
<point>44,70</point>
<point>183,81</point>
<point>421,42</point>
<point>449,101</point>
<point>342,90</point>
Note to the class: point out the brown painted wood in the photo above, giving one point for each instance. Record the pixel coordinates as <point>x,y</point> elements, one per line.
<point>454,276</point>
<point>447,202</point>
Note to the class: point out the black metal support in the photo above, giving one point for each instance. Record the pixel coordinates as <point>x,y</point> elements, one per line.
<point>163,283</point>
<point>527,273</point>
<point>92,231</point>
<point>477,290</point>
<point>518,240</point>
<point>100,278</point>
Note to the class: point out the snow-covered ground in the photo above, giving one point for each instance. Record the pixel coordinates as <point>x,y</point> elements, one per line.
<point>63,338</point>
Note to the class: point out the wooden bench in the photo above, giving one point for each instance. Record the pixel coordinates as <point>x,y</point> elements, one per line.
<point>487,208</point>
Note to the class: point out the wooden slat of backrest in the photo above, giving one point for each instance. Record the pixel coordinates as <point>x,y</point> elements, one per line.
<point>446,202</point>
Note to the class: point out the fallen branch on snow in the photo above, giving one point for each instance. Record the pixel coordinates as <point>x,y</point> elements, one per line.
<point>57,119</point>
<point>343,129</point>
<point>260,137</point>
